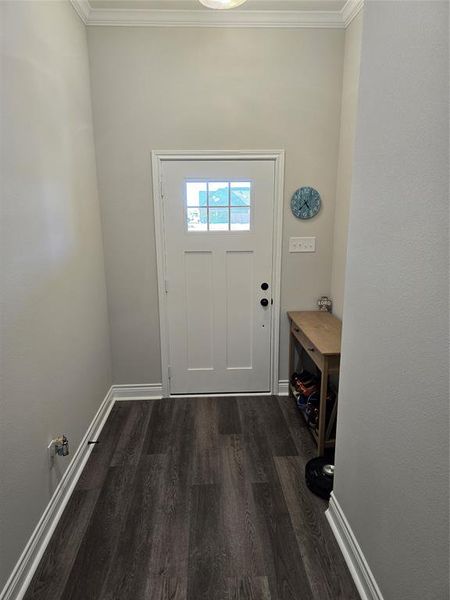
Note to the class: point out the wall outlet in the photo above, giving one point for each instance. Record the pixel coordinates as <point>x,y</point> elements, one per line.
<point>302,244</point>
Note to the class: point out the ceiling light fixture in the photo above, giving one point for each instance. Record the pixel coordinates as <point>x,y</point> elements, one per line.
<point>222,4</point>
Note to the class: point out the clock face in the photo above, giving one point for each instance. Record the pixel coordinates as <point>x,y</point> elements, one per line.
<point>305,203</point>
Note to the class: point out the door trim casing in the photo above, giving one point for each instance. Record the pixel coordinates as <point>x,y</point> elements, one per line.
<point>277,157</point>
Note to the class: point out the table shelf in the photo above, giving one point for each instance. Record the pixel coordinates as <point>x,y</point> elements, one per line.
<point>316,336</point>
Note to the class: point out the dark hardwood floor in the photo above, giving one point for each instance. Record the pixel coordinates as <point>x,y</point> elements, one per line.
<point>196,499</point>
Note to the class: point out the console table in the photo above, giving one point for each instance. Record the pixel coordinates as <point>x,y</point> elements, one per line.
<point>318,335</point>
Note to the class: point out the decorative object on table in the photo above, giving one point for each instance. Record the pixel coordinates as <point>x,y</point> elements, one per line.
<point>305,203</point>
<point>325,304</point>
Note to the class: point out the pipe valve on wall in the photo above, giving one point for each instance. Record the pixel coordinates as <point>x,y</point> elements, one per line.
<point>60,445</point>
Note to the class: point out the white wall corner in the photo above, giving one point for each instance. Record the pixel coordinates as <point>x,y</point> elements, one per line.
<point>350,10</point>
<point>146,391</point>
<point>21,576</point>
<point>352,553</point>
<point>83,9</point>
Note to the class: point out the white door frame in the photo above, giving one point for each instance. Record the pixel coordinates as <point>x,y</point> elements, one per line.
<point>277,157</point>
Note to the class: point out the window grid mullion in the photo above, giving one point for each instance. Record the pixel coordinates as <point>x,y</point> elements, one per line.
<point>207,206</point>
<point>229,207</point>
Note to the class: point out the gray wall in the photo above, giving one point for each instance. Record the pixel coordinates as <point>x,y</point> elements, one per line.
<point>350,85</point>
<point>55,355</point>
<point>392,456</point>
<point>176,88</point>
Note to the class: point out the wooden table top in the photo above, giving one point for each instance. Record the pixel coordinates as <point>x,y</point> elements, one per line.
<point>322,328</point>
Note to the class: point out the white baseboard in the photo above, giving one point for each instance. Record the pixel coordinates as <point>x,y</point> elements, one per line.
<point>352,553</point>
<point>146,391</point>
<point>149,391</point>
<point>283,387</point>
<point>28,562</point>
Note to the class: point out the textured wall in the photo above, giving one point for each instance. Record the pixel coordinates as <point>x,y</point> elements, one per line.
<point>207,89</point>
<point>55,355</point>
<point>392,456</point>
<point>350,84</point>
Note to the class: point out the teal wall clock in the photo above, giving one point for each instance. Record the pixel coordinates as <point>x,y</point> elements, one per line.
<point>305,203</point>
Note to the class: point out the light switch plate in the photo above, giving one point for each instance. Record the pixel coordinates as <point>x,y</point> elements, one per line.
<point>302,244</point>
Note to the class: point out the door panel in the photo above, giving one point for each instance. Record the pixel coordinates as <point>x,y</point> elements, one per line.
<point>199,300</point>
<point>239,309</point>
<point>218,231</point>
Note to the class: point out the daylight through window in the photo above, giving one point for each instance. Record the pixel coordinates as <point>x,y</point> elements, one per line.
<point>218,205</point>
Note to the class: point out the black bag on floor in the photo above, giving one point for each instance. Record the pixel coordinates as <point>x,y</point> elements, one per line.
<point>317,480</point>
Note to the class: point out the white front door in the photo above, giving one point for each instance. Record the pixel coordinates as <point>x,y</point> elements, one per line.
<point>218,235</point>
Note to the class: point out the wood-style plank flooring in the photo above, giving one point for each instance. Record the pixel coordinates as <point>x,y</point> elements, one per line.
<point>196,499</point>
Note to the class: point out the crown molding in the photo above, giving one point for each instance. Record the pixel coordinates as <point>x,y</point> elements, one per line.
<point>196,18</point>
<point>350,10</point>
<point>83,9</point>
<point>122,17</point>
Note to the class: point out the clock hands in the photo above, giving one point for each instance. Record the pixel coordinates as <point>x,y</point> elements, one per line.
<point>305,203</point>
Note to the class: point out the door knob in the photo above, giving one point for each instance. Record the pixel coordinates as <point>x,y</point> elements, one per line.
<point>264,286</point>
<point>264,302</point>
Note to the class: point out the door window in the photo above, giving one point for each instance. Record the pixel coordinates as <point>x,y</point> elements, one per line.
<point>218,205</point>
